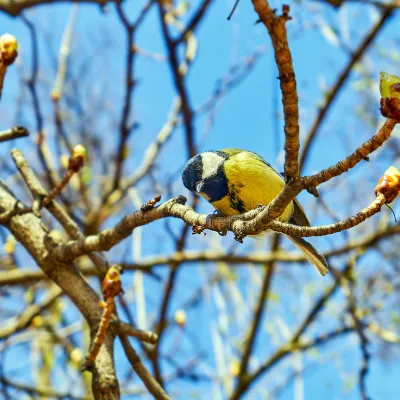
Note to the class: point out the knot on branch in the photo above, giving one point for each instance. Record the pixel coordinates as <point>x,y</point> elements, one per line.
<point>198,229</point>
<point>239,236</point>
<point>285,13</point>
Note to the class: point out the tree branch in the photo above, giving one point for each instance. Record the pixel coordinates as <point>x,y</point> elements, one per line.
<point>151,384</point>
<point>30,231</point>
<point>15,7</point>
<point>276,26</point>
<point>13,133</point>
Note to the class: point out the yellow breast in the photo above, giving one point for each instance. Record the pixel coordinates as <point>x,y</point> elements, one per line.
<point>251,182</point>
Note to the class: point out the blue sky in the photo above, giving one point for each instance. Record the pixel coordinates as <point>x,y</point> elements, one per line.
<point>245,118</point>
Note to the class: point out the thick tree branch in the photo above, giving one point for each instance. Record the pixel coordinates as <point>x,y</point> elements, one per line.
<point>276,26</point>
<point>30,231</point>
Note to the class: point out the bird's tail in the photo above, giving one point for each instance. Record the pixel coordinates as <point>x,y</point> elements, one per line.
<point>311,254</point>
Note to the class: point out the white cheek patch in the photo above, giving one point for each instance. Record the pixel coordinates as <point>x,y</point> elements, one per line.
<point>211,162</point>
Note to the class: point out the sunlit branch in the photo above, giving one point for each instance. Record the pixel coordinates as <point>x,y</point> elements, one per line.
<point>276,26</point>
<point>13,133</point>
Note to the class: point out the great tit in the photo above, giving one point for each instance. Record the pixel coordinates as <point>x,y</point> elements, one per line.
<point>235,181</point>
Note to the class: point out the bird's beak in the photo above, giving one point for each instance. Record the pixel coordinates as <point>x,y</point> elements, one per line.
<point>199,186</point>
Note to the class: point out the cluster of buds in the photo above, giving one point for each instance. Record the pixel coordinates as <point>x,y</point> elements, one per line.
<point>389,184</point>
<point>390,92</point>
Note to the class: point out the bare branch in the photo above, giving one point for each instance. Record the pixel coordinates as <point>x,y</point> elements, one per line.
<point>353,159</point>
<point>15,277</point>
<point>276,26</point>
<point>293,230</point>
<point>196,19</point>
<point>237,224</point>
<point>179,80</point>
<point>258,314</point>
<point>33,234</point>
<point>144,336</point>
<point>15,7</point>
<point>13,133</point>
<point>151,384</point>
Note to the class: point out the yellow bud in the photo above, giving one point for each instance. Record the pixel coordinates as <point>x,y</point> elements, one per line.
<point>79,151</point>
<point>56,235</point>
<point>37,322</point>
<point>114,197</point>
<point>77,159</point>
<point>8,48</point>
<point>55,95</point>
<point>182,9</point>
<point>180,318</point>
<point>389,184</point>
<point>234,368</point>
<point>9,245</point>
<point>389,86</point>
<point>76,355</point>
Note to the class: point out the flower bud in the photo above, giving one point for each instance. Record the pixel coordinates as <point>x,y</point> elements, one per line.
<point>390,92</point>
<point>8,48</point>
<point>77,159</point>
<point>180,318</point>
<point>389,184</point>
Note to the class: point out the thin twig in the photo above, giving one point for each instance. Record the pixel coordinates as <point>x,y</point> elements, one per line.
<point>125,125</point>
<point>151,384</point>
<point>258,314</point>
<point>180,84</point>
<point>20,322</point>
<point>144,336</point>
<point>197,17</point>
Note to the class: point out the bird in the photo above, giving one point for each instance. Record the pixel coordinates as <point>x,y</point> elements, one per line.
<point>235,181</point>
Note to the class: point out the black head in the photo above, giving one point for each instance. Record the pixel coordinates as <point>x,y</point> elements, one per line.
<point>205,174</point>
